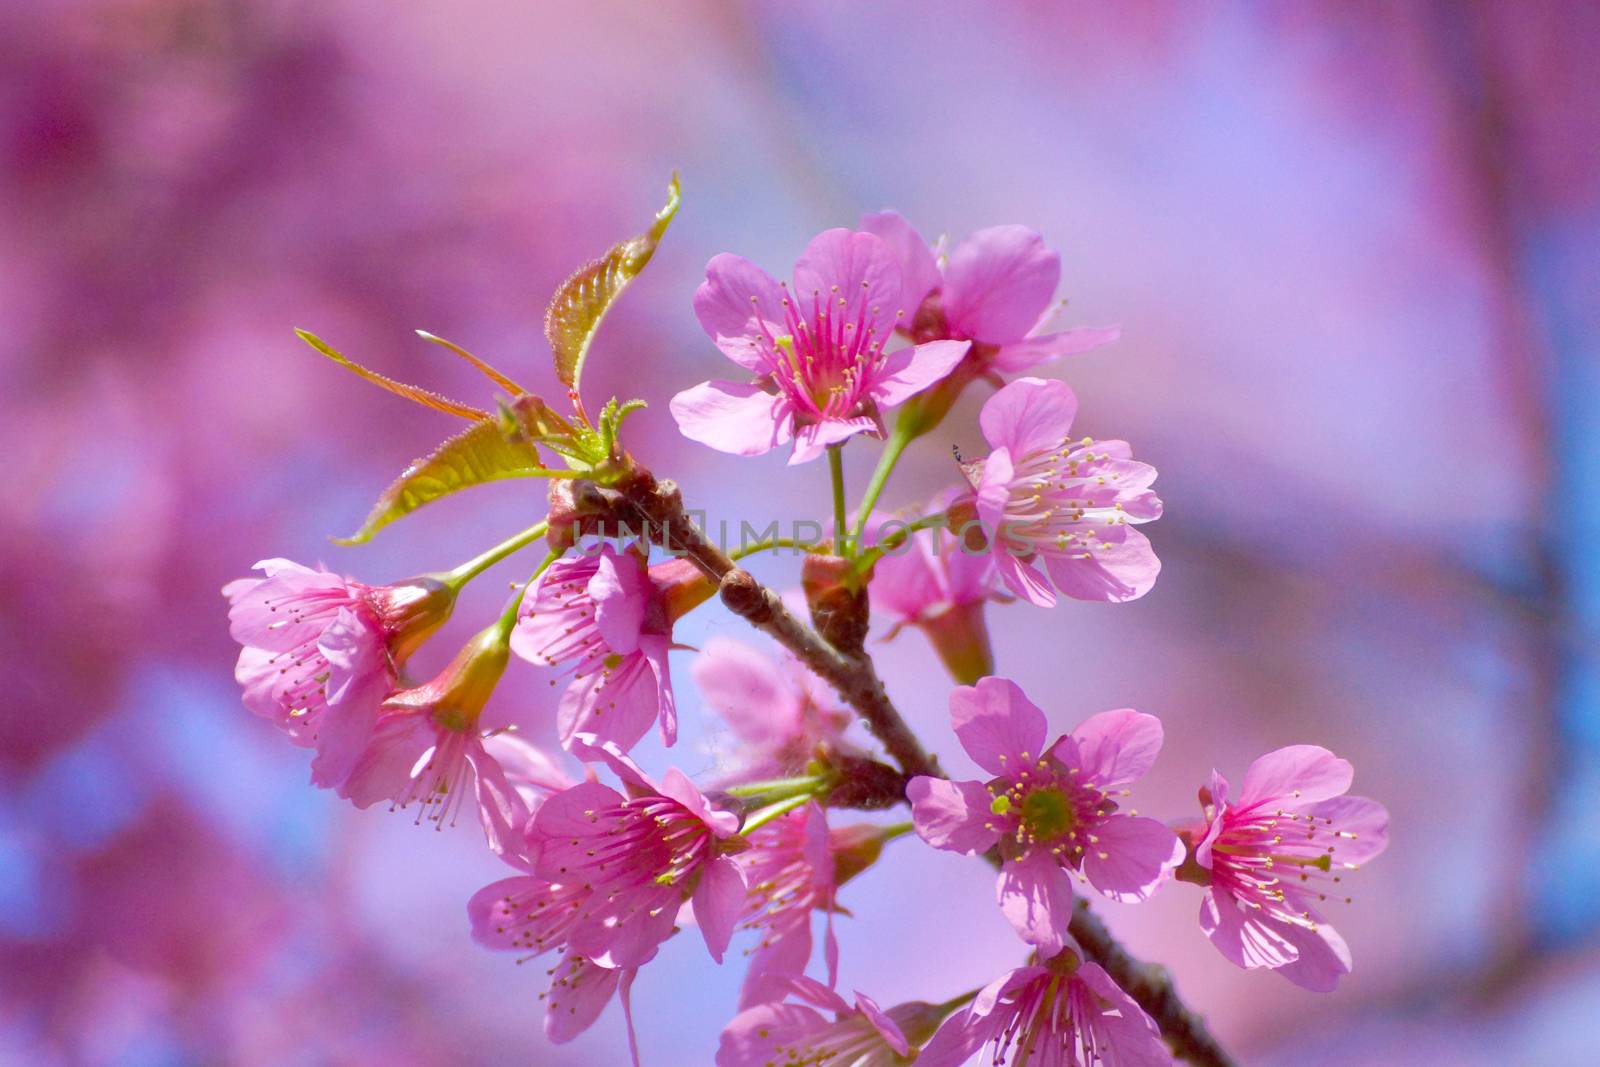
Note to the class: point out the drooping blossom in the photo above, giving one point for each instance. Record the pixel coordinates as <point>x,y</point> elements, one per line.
<point>1063,1014</point>
<point>610,871</point>
<point>321,652</point>
<point>996,289</point>
<point>1275,855</point>
<point>1051,811</point>
<point>816,351</point>
<point>935,584</point>
<point>427,749</point>
<point>779,711</point>
<point>821,1027</point>
<point>789,870</point>
<point>610,617</point>
<point>1041,498</point>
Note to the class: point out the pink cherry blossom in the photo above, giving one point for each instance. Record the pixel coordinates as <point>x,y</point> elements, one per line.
<point>816,351</point>
<point>610,872</point>
<point>321,652</point>
<point>787,1032</point>
<point>1051,810</point>
<point>1279,852</point>
<point>610,617</point>
<point>1040,497</point>
<point>934,584</point>
<point>790,873</point>
<point>426,749</point>
<point>997,289</point>
<point>1051,1016</point>
<point>780,712</point>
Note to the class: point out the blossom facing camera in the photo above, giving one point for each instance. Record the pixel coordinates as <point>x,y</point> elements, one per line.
<point>1041,498</point>
<point>816,350</point>
<point>321,652</point>
<point>1052,812</point>
<point>1279,852</point>
<point>610,617</point>
<point>1065,1014</point>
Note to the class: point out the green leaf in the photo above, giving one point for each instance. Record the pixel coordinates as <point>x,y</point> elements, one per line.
<point>480,453</point>
<point>580,304</point>
<point>414,393</point>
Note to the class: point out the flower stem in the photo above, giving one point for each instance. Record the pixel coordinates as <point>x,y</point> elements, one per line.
<point>773,811</point>
<point>899,438</point>
<point>770,543</point>
<point>469,570</point>
<point>782,788</point>
<point>841,534</point>
<point>864,562</point>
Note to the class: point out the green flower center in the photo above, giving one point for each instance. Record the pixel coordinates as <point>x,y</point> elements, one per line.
<point>1047,813</point>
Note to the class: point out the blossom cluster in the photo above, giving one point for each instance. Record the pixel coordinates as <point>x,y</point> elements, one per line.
<point>608,862</point>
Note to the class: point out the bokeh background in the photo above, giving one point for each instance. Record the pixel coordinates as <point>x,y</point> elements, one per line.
<point>1354,250</point>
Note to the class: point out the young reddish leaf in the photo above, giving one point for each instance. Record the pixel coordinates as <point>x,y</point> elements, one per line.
<point>480,453</point>
<point>426,397</point>
<point>581,303</point>
<point>484,368</point>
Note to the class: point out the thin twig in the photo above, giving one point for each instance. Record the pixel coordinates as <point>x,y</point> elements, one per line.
<point>856,680</point>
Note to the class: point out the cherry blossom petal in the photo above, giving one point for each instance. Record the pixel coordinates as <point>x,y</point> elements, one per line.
<point>1132,857</point>
<point>1001,729</point>
<point>1028,415</point>
<point>919,272</point>
<point>1017,356</point>
<point>1115,748</point>
<point>1324,958</point>
<point>951,815</point>
<point>1305,774</point>
<point>735,294</point>
<point>580,989</point>
<point>1363,826</point>
<point>843,267</point>
<point>998,282</point>
<point>620,590</point>
<point>732,417</point>
<point>718,901</point>
<point>908,371</point>
<point>812,440</point>
<point>1036,898</point>
<point>1122,566</point>
<point>1244,940</point>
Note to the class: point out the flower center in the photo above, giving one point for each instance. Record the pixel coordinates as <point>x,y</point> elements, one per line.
<point>1047,813</point>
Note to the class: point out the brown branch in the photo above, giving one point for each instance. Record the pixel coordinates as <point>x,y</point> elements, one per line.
<point>660,505</point>
<point>1151,987</point>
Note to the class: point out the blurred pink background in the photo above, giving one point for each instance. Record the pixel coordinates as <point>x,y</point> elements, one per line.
<point>1353,248</point>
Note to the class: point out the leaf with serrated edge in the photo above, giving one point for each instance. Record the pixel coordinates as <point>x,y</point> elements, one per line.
<point>580,304</point>
<point>415,393</point>
<point>480,453</point>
